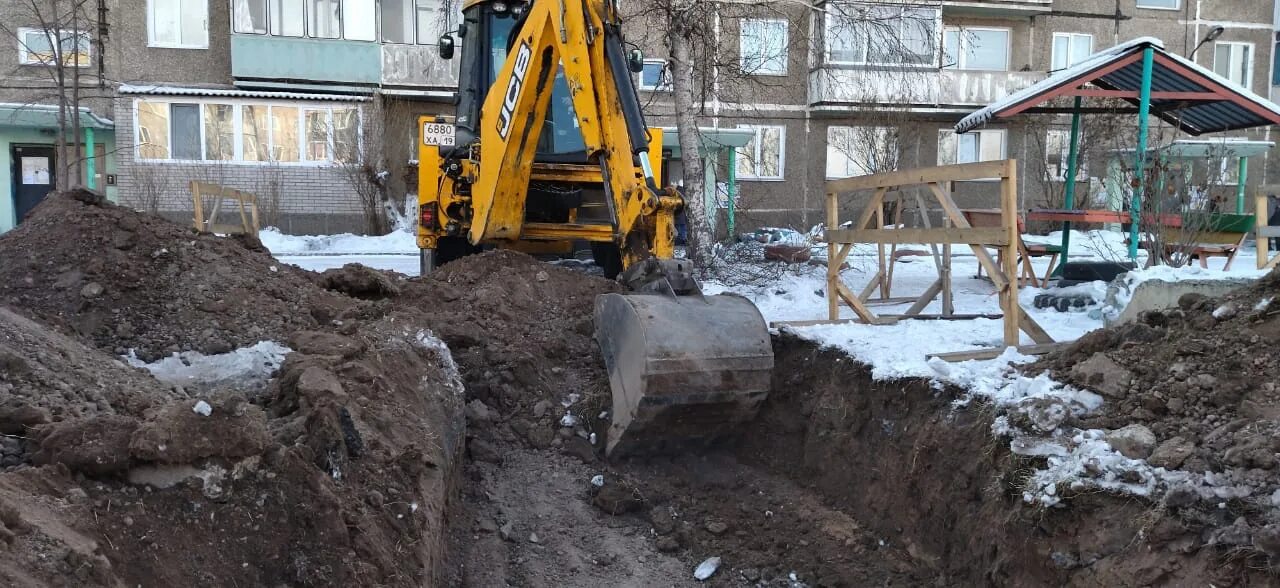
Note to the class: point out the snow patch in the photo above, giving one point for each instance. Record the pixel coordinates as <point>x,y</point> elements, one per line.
<point>424,339</point>
<point>247,365</point>
<point>396,242</point>
<point>202,408</point>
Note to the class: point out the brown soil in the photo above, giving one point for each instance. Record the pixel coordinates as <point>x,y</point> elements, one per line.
<point>133,281</point>
<point>1205,380</point>
<point>932,480</point>
<point>338,473</point>
<point>355,466</point>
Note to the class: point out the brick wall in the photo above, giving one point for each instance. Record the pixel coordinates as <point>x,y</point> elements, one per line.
<point>299,199</point>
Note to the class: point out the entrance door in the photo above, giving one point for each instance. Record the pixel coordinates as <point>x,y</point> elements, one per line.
<point>33,167</point>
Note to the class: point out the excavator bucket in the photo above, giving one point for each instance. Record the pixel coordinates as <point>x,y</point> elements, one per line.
<point>684,370</point>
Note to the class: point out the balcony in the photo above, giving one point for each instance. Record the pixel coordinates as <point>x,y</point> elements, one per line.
<point>418,66</point>
<point>299,60</point>
<point>923,88</point>
<point>996,8</point>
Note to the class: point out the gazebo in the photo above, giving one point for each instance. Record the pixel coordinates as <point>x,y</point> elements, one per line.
<point>1154,81</point>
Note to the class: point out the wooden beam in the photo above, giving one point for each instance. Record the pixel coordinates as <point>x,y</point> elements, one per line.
<point>957,218</point>
<point>1133,95</point>
<point>1009,292</point>
<point>994,352</point>
<point>812,323</point>
<point>942,173</point>
<point>983,236</point>
<point>856,304</point>
<point>871,286</point>
<point>929,294</point>
<point>1065,87</point>
<point>1032,328</point>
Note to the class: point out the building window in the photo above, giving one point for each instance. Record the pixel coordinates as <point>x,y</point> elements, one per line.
<point>397,21</point>
<point>183,24</point>
<point>219,131</point>
<point>971,147</point>
<point>250,17</point>
<point>1234,61</point>
<point>860,151</point>
<point>287,18</point>
<point>1070,49</point>
<point>862,34</point>
<point>975,48</point>
<point>763,158</point>
<point>1057,151</point>
<point>656,76</point>
<point>1165,4</point>
<point>763,47</point>
<point>359,22</point>
<point>36,47</point>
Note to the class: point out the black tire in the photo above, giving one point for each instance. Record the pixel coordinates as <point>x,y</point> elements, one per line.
<point>608,257</point>
<point>451,248</point>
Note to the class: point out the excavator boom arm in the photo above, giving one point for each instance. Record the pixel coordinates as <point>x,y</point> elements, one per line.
<point>572,34</point>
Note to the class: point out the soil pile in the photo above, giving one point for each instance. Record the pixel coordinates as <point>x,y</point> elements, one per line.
<point>342,476</point>
<point>127,280</point>
<point>1196,388</point>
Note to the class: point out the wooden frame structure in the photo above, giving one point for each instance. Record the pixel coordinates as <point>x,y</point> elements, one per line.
<point>1263,231</point>
<point>248,207</point>
<point>841,241</point>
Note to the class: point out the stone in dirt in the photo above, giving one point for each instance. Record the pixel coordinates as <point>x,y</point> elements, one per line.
<point>1103,374</point>
<point>1171,453</point>
<point>717,527</point>
<point>360,281</point>
<point>1132,441</point>
<point>617,497</point>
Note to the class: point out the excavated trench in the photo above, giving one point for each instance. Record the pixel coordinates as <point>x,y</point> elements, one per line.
<point>930,478</point>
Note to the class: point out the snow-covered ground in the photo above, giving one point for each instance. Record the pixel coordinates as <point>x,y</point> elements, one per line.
<point>395,251</point>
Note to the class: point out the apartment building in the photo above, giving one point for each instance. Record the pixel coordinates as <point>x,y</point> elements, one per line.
<point>856,87</point>
<point>308,103</point>
<point>282,97</point>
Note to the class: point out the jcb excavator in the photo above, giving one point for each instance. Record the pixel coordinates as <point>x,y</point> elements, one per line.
<point>549,146</point>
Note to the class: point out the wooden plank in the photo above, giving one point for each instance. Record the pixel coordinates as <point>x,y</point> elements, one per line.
<point>1032,328</point>
<point>199,206</point>
<point>943,173</point>
<point>833,269</point>
<point>848,321</point>
<point>871,286</point>
<point>1268,231</point>
<point>929,294</point>
<point>943,317</point>
<point>957,218</point>
<point>994,352</point>
<point>867,213</point>
<point>893,301</point>
<point>1009,292</point>
<point>859,309</point>
<point>964,236</point>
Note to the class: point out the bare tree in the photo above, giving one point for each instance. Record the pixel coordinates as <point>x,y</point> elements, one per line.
<point>53,36</point>
<point>153,183</point>
<point>365,169</point>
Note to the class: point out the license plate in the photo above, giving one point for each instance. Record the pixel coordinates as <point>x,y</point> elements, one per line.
<point>438,134</point>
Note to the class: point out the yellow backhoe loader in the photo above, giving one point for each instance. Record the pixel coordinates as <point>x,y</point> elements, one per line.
<point>549,146</point>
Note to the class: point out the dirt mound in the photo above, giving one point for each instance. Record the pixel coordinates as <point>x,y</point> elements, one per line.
<point>521,332</point>
<point>128,280</point>
<point>1196,389</point>
<point>342,477</point>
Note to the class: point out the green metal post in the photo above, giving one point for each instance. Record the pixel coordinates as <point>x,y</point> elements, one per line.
<point>1069,192</point>
<point>1244,174</point>
<point>1144,111</point>
<point>90,168</point>
<point>733,187</point>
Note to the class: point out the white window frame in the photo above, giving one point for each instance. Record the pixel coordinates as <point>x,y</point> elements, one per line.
<point>151,30</point>
<point>237,105</point>
<point>963,43</point>
<point>1249,65</point>
<point>1177,5</point>
<point>1081,164</point>
<point>1004,146</point>
<point>1070,37</point>
<point>881,133</point>
<point>937,40</point>
<point>755,157</point>
<point>55,40</point>
<point>664,84</point>
<point>742,49</point>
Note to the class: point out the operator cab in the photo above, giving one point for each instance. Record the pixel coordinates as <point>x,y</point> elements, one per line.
<point>486,34</point>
